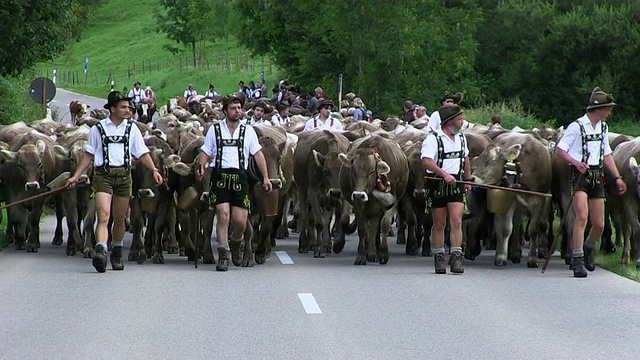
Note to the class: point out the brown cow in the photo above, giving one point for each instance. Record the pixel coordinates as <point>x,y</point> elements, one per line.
<point>77,109</point>
<point>316,170</point>
<point>373,208</point>
<point>535,161</point>
<point>29,166</point>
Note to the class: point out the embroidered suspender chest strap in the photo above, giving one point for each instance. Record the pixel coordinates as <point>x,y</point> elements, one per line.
<point>220,142</point>
<point>590,138</point>
<point>115,139</point>
<point>452,154</point>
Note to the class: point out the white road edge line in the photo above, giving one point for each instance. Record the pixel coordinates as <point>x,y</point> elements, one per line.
<point>284,258</point>
<point>309,303</point>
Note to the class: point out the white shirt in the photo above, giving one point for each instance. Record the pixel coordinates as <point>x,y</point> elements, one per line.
<point>210,94</point>
<point>188,94</point>
<point>137,147</point>
<point>571,141</point>
<point>430,150</point>
<point>230,153</point>
<point>316,123</point>
<point>277,119</point>
<point>434,121</point>
<point>138,95</point>
<point>262,121</point>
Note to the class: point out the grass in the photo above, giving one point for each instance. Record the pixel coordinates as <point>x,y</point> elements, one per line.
<point>117,45</point>
<point>3,229</point>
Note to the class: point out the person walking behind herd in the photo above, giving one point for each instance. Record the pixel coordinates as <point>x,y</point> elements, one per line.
<point>324,120</point>
<point>111,144</point>
<point>585,146</point>
<point>229,144</point>
<point>189,92</point>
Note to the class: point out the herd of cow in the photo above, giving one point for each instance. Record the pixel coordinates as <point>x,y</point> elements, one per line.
<point>372,170</point>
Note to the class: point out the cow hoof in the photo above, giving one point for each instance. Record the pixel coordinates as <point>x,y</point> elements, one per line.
<point>372,258</point>
<point>426,252</point>
<point>401,240</point>
<point>208,259</point>
<point>182,252</point>
<point>542,253</point>
<point>500,262</point>
<point>383,257</point>
<point>158,258</point>
<point>57,241</point>
<point>338,246</point>
<point>191,254</point>
<point>361,260</point>
<point>515,258</point>
<point>247,262</point>
<point>532,264</point>
<point>282,232</point>
<point>391,233</point>
<point>88,253</point>
<point>303,249</point>
<point>173,249</point>
<point>260,259</point>
<point>327,249</point>
<point>133,256</point>
<point>318,254</point>
<point>469,256</point>
<point>32,248</point>
<point>412,250</point>
<point>567,260</point>
<point>142,256</point>
<point>71,251</point>
<point>19,246</point>
<point>273,242</point>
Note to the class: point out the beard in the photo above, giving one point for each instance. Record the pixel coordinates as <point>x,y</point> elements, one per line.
<point>233,119</point>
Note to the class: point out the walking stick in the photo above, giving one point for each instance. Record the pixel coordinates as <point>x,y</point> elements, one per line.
<point>487,186</point>
<point>46,193</point>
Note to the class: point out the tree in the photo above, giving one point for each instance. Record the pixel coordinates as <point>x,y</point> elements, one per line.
<point>33,31</point>
<point>187,22</point>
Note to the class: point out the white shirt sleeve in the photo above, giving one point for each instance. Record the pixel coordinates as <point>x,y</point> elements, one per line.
<point>337,125</point>
<point>209,146</point>
<point>251,139</point>
<point>309,125</point>
<point>569,137</point>
<point>131,94</point>
<point>607,146</point>
<point>186,94</point>
<point>138,147</point>
<point>434,121</point>
<point>466,147</point>
<point>429,147</point>
<point>94,141</point>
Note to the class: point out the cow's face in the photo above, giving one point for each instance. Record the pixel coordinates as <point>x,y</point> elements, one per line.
<point>273,155</point>
<point>29,163</point>
<point>330,165</point>
<point>163,162</point>
<point>417,171</point>
<point>74,156</point>
<point>364,172</point>
<point>488,167</point>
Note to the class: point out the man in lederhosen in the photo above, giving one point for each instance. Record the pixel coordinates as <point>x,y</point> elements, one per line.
<point>585,146</point>
<point>139,97</point>
<point>445,155</point>
<point>229,144</point>
<point>111,144</point>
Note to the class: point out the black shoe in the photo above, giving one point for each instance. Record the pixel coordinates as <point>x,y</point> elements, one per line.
<point>99,260</point>
<point>235,252</point>
<point>589,262</point>
<point>439,264</point>
<point>577,263</point>
<point>116,258</point>
<point>456,262</point>
<point>223,259</point>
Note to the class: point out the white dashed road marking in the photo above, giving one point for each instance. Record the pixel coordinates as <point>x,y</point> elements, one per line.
<point>285,259</point>
<point>309,303</point>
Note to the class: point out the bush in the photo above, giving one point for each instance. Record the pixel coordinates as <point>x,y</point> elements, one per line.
<point>15,103</point>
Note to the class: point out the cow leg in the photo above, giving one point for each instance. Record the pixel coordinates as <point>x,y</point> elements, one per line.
<point>425,221</point>
<point>538,227</point>
<point>60,212</point>
<point>150,234</point>
<point>170,228</point>
<point>503,224</point>
<point>282,231</point>
<point>137,251</point>
<point>626,250</point>
<point>185,233</point>
<point>342,216</point>
<point>157,227</point>
<point>18,217</point>
<point>314,230</point>
<point>411,223</point>
<point>382,245</point>
<point>70,208</point>
<point>89,230</point>
<point>206,224</point>
<point>515,246</point>
<point>606,245</point>
<point>303,242</point>
<point>247,258</point>
<point>361,258</point>
<point>33,240</point>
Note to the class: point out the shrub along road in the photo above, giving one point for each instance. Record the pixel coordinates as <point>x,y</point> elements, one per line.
<point>295,306</point>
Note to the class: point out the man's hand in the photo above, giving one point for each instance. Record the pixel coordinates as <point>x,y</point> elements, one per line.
<point>449,179</point>
<point>71,182</point>
<point>582,167</point>
<point>200,172</point>
<point>267,185</point>
<point>622,186</point>
<point>157,176</point>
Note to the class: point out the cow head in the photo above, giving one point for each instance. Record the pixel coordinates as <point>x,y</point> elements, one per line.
<point>330,165</point>
<point>416,169</point>
<point>163,162</point>
<point>74,156</point>
<point>273,154</point>
<point>488,167</point>
<point>364,172</point>
<point>635,170</point>
<point>29,163</point>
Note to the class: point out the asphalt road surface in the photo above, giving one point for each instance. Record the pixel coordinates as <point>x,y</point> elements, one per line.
<point>298,307</point>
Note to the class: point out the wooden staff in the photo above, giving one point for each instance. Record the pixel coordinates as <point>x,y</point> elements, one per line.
<point>487,186</point>
<point>46,193</point>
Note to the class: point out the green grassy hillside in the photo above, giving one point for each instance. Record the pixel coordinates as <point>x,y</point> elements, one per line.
<point>122,36</point>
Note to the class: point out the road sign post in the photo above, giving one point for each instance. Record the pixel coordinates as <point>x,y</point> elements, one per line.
<point>340,92</point>
<point>86,70</point>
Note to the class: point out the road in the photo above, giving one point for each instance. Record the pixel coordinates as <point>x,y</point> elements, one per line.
<point>298,307</point>
<point>58,307</point>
